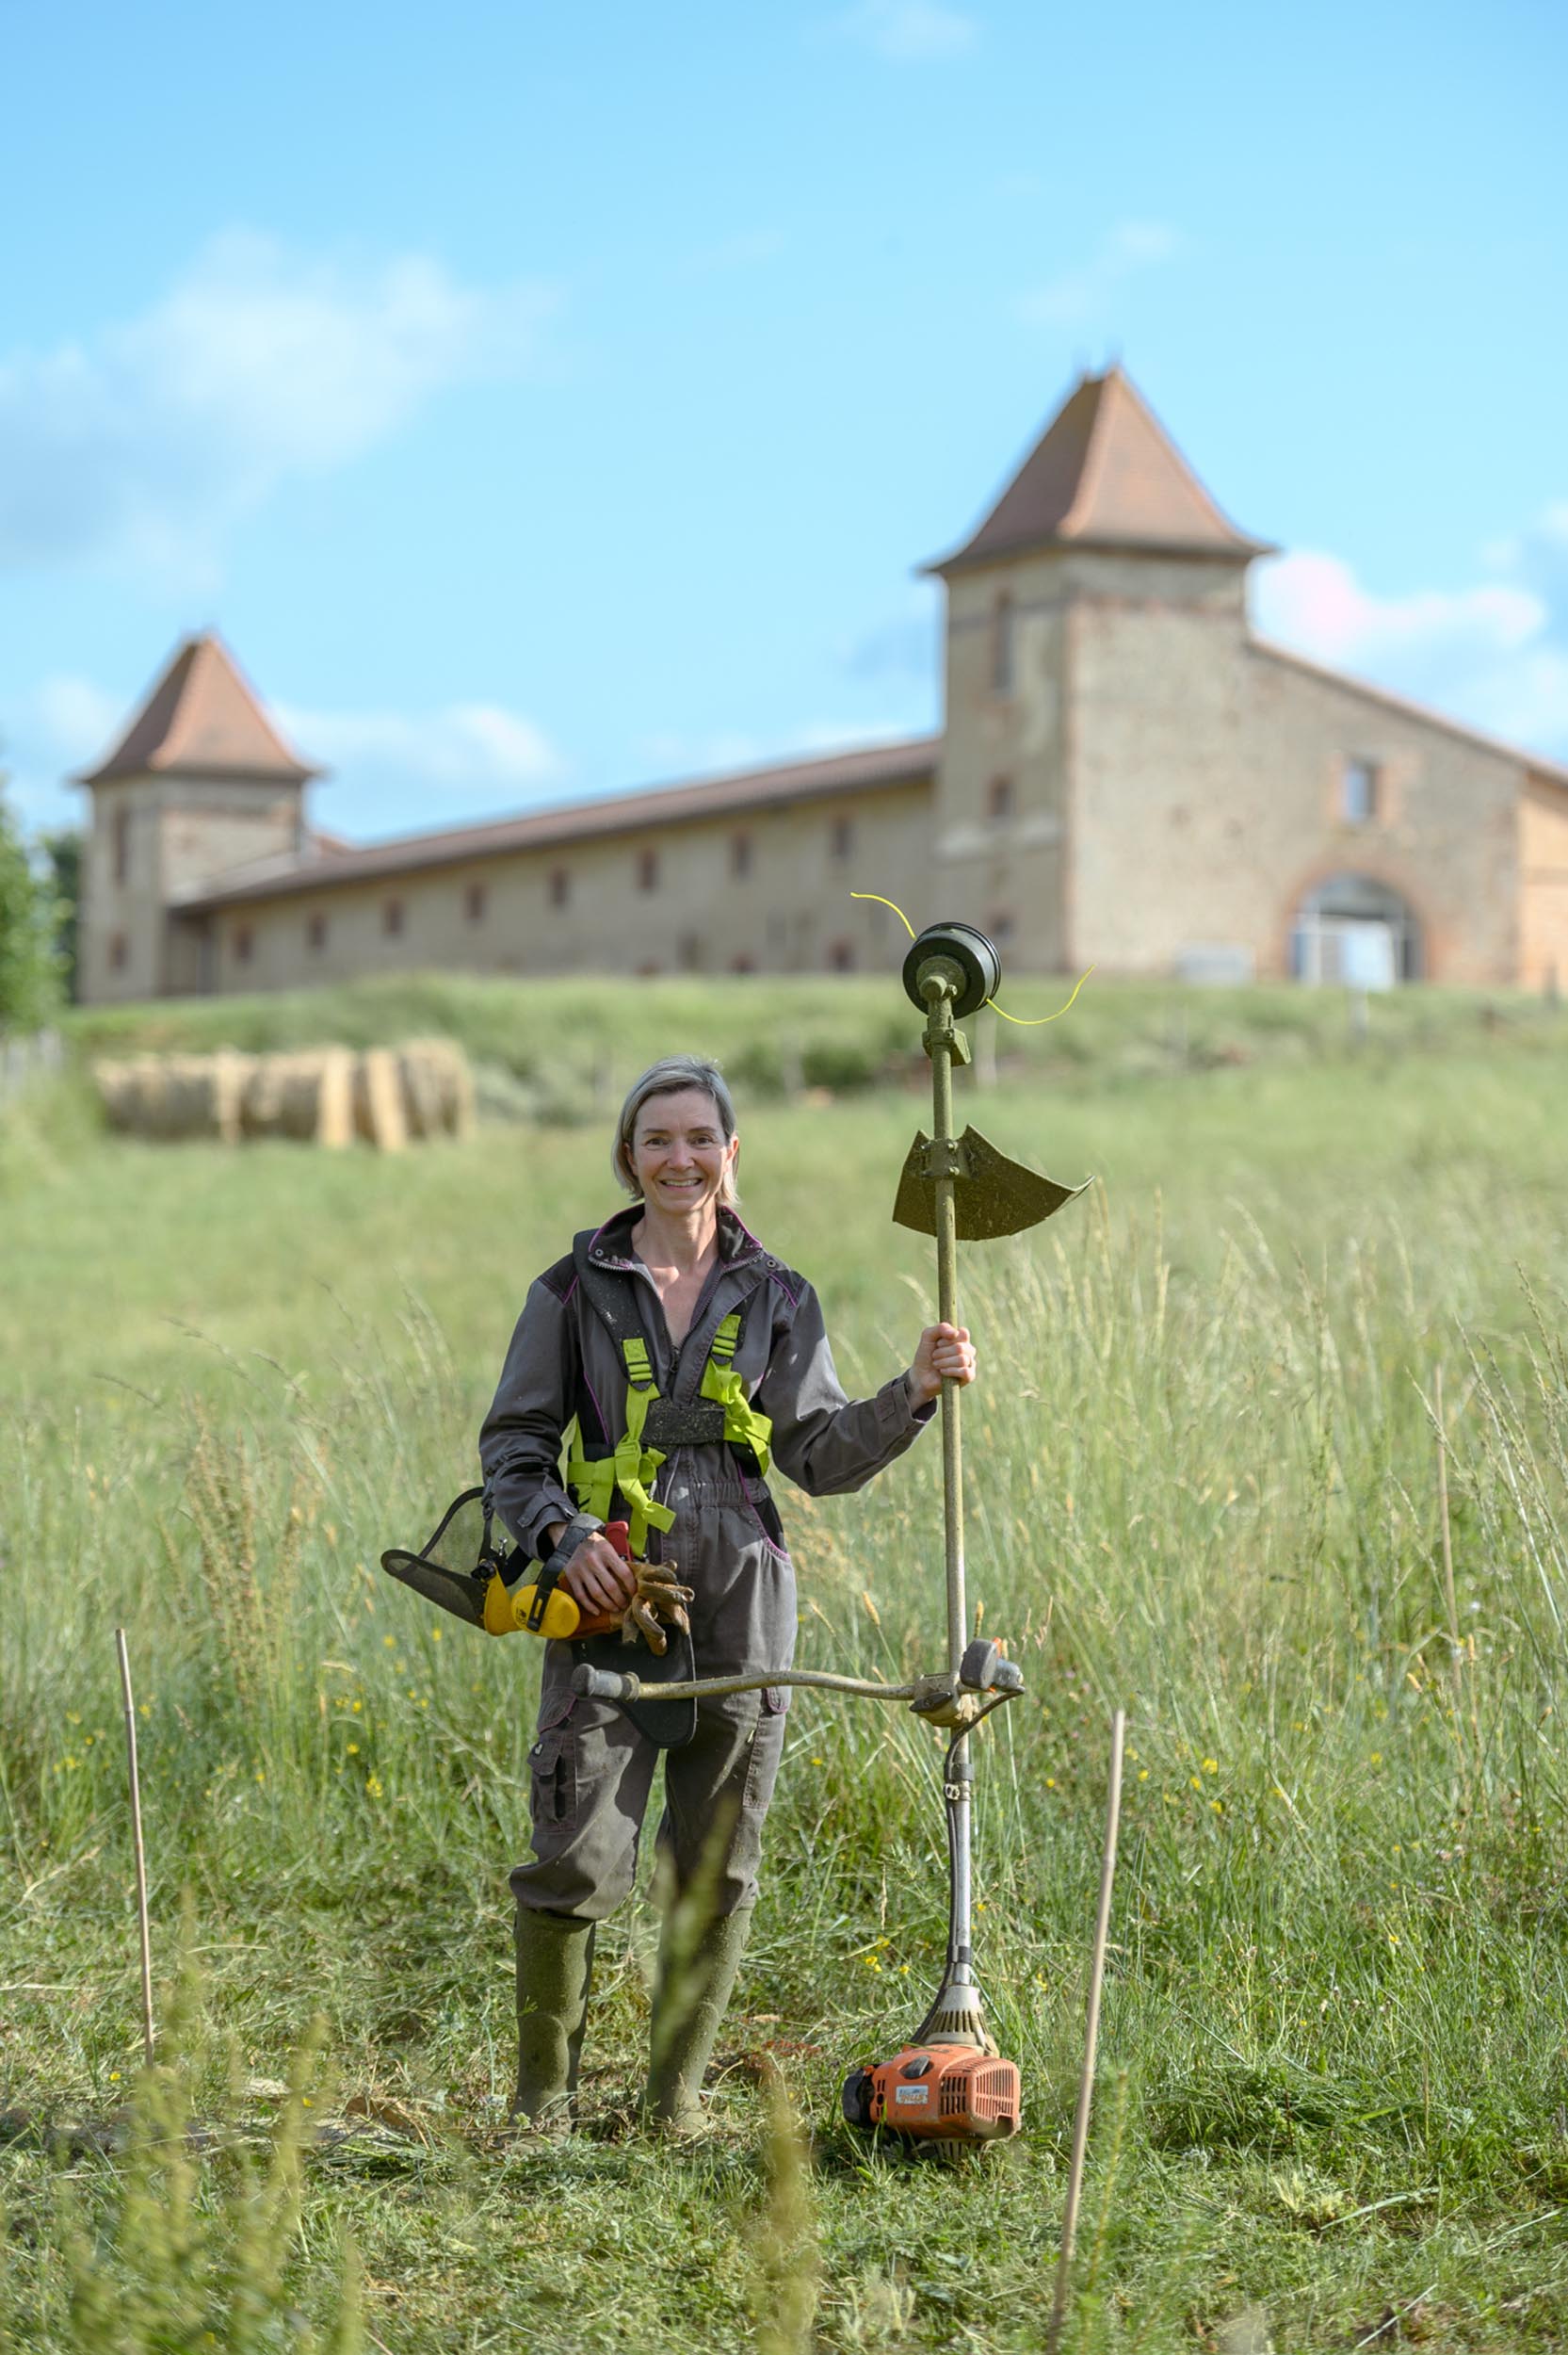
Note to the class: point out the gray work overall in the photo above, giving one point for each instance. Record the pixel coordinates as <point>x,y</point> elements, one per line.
<point>592,1770</point>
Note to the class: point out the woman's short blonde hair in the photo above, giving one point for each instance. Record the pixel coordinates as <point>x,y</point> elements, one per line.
<point>667,1076</point>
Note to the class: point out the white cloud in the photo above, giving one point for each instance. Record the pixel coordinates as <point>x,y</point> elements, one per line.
<point>470,748</point>
<point>672,756</point>
<point>904,645</point>
<point>481,754</point>
<point>1080,294</point>
<point>1495,654</point>
<point>148,441</point>
<point>748,248</point>
<point>77,718</point>
<point>847,736</point>
<point>909,31</point>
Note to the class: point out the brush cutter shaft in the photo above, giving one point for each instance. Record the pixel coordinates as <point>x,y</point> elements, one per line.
<point>941,1036</point>
<point>603,1685</point>
<point>941,1700</point>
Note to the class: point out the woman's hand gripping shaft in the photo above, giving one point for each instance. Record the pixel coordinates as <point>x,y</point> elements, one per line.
<point>611,1590</point>
<point>945,1353</point>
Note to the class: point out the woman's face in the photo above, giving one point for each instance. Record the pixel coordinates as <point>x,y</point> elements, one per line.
<point>678,1151</point>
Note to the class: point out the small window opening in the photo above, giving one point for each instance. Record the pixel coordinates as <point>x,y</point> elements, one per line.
<point>561,886</point>
<point>647,870</point>
<point>315,932</point>
<point>841,956</point>
<point>1003,631</point>
<point>998,800</point>
<point>122,840</point>
<point>1357,792</point>
<point>243,944</point>
<point>392,917</point>
<point>116,952</point>
<point>842,838</point>
<point>740,855</point>
<point>473,902</point>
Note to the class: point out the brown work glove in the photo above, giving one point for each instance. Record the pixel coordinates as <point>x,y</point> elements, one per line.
<point>661,1601</point>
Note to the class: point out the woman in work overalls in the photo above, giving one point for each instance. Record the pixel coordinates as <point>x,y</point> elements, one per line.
<point>671,1322</point>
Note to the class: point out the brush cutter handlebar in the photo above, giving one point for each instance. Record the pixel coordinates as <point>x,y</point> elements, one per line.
<point>942,1700</point>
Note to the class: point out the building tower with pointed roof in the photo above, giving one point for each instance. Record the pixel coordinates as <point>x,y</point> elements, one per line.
<point>1103,562</point>
<point>201,782</point>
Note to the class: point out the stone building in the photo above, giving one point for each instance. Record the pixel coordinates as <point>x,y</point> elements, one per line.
<point>1126,776</point>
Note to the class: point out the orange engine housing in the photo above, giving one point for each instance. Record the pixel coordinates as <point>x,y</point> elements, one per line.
<point>944,2092</point>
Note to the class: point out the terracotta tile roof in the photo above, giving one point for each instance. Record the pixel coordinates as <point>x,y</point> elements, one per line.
<point>872,769</point>
<point>203,719</point>
<point>1105,473</point>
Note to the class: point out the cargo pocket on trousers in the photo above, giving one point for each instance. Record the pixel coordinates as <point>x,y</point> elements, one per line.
<point>762,1770</point>
<point>554,1760</point>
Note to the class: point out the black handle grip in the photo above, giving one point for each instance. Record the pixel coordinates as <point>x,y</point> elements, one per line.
<point>603,1685</point>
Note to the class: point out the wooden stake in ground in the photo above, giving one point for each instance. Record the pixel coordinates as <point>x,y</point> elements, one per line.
<point>1092,2034</point>
<point>141,1853</point>
<point>1462,1654</point>
<point>1444,1527</point>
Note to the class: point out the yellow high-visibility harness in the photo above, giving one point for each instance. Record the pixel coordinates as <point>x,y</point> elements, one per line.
<point>630,1468</point>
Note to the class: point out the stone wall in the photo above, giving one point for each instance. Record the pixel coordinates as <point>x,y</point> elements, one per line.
<point>179,832</point>
<point>1205,806</point>
<point>789,912</point>
<point>1544,864</point>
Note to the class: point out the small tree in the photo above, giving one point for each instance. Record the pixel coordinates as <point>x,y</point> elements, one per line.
<point>64,854</point>
<point>29,961</point>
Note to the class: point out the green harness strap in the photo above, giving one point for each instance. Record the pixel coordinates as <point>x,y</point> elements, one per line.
<point>743,1426</point>
<point>595,1480</point>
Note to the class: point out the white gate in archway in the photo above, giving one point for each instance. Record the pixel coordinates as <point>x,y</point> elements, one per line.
<point>1355,932</point>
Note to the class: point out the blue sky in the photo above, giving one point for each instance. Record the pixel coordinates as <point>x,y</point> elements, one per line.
<point>545,400</point>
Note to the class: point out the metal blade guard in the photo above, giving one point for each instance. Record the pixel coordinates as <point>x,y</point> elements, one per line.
<point>454,1565</point>
<point>991,1195</point>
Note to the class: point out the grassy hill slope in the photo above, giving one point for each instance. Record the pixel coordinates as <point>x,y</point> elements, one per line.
<point>1203,1465</point>
<point>576,1041</point>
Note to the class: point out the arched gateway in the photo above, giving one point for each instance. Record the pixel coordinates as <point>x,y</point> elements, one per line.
<point>1353,928</point>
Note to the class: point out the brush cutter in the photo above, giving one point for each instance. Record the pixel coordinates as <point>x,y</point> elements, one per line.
<point>947,2084</point>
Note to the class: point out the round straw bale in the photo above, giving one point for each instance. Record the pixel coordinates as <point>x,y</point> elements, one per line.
<point>379,1116</point>
<point>438,1088</point>
<point>308,1096</point>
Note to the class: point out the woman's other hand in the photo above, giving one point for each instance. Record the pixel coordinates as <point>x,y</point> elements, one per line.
<point>596,1578</point>
<point>946,1350</point>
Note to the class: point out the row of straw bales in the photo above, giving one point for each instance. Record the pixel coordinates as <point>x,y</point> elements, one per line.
<point>323,1096</point>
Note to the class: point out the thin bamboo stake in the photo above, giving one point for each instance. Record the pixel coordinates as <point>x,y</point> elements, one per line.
<point>1092,2034</point>
<point>1446,1530</point>
<point>1463,1655</point>
<point>141,1853</point>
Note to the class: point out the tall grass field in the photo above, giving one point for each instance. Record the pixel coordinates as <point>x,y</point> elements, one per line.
<point>1217,1392</point>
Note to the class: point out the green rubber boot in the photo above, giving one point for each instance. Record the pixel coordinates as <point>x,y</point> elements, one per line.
<point>695,1977</point>
<point>555,1966</point>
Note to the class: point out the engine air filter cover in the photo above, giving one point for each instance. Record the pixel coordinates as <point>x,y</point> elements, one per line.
<point>938,2093</point>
